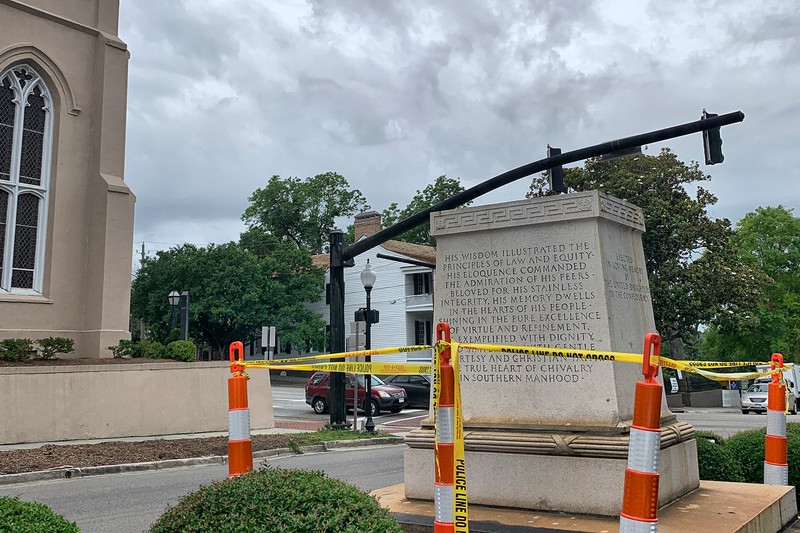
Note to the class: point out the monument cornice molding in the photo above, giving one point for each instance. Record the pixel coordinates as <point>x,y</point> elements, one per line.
<point>546,443</point>
<point>534,211</point>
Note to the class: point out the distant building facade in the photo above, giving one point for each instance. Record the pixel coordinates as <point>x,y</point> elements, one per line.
<point>403,293</point>
<point>66,214</point>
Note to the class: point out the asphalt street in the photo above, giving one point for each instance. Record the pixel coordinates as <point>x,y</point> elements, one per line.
<point>726,422</point>
<point>289,403</point>
<point>128,503</point>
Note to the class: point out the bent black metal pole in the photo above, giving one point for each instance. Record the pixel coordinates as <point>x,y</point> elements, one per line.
<point>505,178</point>
<point>341,254</point>
<point>407,261</point>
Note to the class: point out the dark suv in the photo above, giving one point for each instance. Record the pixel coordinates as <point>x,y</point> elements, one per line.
<point>384,397</point>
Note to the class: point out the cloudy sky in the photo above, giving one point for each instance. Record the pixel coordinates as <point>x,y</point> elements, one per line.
<point>224,94</point>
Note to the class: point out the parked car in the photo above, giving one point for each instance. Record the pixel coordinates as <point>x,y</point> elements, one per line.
<point>417,387</point>
<point>755,399</point>
<point>791,377</point>
<point>384,397</point>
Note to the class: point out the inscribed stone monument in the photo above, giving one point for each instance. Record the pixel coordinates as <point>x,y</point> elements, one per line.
<point>546,432</point>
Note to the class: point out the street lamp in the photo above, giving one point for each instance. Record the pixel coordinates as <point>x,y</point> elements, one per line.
<point>174,299</point>
<point>179,302</point>
<point>368,280</point>
<point>184,302</point>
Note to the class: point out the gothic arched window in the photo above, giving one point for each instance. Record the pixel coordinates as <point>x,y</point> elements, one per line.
<point>25,139</point>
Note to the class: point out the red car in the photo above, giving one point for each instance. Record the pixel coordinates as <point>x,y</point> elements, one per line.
<point>384,397</point>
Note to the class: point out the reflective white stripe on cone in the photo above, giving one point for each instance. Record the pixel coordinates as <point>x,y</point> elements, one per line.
<point>635,526</point>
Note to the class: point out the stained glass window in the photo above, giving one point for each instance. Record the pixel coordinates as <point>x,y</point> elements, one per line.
<point>7,109</point>
<point>25,241</point>
<point>3,215</point>
<point>25,108</point>
<point>30,167</point>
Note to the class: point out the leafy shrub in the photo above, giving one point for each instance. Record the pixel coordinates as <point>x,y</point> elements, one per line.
<point>741,457</point>
<point>148,348</point>
<point>51,346</point>
<point>277,500</point>
<point>135,349</point>
<point>26,517</point>
<point>715,460</point>
<point>793,453</point>
<point>124,348</point>
<point>181,351</point>
<point>747,450</point>
<point>16,349</point>
<point>709,436</point>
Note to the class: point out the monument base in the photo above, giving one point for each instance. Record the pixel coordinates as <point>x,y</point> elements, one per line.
<point>716,506</point>
<point>570,473</point>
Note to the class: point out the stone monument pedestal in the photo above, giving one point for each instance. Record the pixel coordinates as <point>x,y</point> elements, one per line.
<point>566,472</point>
<point>544,432</point>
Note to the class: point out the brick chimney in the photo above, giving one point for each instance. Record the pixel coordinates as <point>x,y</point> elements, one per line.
<point>367,223</point>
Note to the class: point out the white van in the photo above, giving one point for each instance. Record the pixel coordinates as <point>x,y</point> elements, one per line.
<point>792,383</point>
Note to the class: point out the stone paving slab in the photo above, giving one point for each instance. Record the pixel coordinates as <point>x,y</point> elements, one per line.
<point>717,507</point>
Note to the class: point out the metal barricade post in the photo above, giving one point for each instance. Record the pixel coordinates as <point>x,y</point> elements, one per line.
<point>640,495</point>
<point>240,445</point>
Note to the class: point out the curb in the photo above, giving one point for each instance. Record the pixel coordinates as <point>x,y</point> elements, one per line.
<point>69,472</point>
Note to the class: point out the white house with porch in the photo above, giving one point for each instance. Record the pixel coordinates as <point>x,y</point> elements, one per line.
<point>402,293</point>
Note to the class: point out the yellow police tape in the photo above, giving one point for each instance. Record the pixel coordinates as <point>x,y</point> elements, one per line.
<point>269,363</point>
<point>358,368</point>
<point>697,367</point>
<point>342,366</point>
<point>460,505</point>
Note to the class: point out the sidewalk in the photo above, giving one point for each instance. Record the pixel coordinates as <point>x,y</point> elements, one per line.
<point>282,427</point>
<point>289,426</point>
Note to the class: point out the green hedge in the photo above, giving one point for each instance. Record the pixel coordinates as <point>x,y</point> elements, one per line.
<point>24,349</point>
<point>182,351</point>
<point>17,516</point>
<point>716,461</point>
<point>178,350</point>
<point>741,457</point>
<point>16,349</point>
<point>277,500</point>
<point>51,346</point>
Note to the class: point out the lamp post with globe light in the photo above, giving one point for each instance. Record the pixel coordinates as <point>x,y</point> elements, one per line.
<point>368,281</point>
<point>179,302</point>
<point>174,299</point>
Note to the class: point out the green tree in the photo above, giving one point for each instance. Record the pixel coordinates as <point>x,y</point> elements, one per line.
<point>768,240</point>
<point>302,212</point>
<point>695,276</point>
<point>439,191</point>
<point>232,293</point>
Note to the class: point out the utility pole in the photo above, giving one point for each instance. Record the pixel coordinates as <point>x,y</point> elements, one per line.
<point>141,320</point>
<point>338,409</point>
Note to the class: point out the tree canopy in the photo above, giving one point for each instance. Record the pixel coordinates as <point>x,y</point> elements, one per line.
<point>233,292</point>
<point>440,190</point>
<point>767,239</point>
<point>302,212</point>
<point>695,276</point>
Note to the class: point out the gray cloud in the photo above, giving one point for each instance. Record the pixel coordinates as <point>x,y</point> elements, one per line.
<point>390,94</point>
